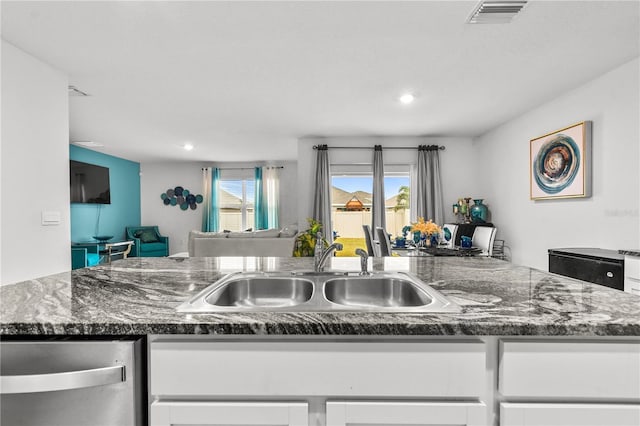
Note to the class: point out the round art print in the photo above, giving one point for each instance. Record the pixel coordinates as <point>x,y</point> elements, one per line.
<point>556,164</point>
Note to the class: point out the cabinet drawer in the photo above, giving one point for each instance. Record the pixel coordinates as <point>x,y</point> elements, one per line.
<point>409,369</point>
<point>545,414</point>
<point>229,413</point>
<point>405,413</point>
<point>632,266</point>
<point>632,285</point>
<point>570,369</point>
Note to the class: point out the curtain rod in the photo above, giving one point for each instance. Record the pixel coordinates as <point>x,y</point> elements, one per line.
<point>246,168</point>
<point>442,148</point>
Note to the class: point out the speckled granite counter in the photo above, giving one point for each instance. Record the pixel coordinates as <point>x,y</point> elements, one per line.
<point>630,252</point>
<point>138,296</point>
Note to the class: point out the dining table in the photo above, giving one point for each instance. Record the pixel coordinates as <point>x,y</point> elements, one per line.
<point>442,250</point>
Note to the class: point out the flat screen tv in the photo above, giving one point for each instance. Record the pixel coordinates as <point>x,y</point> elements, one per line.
<point>89,183</point>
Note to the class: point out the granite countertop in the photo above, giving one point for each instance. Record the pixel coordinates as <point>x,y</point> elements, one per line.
<point>630,252</point>
<point>138,296</point>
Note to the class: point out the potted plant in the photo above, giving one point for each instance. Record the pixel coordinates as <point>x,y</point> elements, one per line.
<point>306,241</point>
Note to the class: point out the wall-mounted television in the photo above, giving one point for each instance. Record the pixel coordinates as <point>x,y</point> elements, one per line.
<point>89,183</point>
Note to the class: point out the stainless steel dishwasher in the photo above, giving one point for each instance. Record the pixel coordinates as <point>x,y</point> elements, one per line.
<point>72,383</point>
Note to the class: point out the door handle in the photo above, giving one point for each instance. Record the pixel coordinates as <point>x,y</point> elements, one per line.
<point>67,380</point>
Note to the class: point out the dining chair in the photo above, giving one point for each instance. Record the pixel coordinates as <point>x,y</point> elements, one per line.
<point>483,238</point>
<point>384,241</point>
<point>449,234</point>
<point>370,241</point>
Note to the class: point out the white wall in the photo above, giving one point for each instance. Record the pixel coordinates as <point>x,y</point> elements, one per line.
<point>609,218</point>
<point>457,165</point>
<point>35,167</point>
<point>175,223</point>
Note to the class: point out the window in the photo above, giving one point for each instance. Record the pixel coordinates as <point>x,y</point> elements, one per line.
<point>352,194</point>
<point>236,201</point>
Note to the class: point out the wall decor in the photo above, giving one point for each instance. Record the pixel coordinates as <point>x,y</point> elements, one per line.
<point>560,163</point>
<point>179,196</point>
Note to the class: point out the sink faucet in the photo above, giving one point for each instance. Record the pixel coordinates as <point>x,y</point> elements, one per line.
<point>364,256</point>
<point>320,255</point>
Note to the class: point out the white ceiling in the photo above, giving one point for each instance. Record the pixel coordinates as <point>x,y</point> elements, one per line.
<point>243,80</point>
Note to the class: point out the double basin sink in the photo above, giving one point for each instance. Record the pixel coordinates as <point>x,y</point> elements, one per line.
<point>309,291</point>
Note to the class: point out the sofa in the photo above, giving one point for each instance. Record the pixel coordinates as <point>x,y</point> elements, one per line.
<point>147,241</point>
<point>263,243</point>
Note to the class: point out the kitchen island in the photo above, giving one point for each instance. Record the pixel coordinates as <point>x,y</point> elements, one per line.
<point>527,348</point>
<point>139,296</point>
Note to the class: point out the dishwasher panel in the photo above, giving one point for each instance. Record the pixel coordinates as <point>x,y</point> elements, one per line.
<point>71,383</point>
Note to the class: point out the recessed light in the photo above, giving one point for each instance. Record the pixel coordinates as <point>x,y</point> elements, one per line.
<point>407,98</point>
<point>187,147</point>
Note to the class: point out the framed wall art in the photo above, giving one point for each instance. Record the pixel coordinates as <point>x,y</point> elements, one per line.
<point>560,163</point>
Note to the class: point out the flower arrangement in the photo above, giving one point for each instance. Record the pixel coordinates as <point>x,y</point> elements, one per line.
<point>426,228</point>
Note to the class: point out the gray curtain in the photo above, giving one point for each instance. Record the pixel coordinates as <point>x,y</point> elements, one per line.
<point>378,219</point>
<point>322,198</point>
<point>429,185</point>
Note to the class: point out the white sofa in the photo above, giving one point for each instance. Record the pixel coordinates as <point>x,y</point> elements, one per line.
<point>264,243</point>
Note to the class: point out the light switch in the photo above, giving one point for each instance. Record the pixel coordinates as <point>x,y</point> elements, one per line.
<point>50,218</point>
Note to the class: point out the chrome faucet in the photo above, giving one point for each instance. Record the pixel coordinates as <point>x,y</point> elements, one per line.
<point>320,255</point>
<point>364,256</point>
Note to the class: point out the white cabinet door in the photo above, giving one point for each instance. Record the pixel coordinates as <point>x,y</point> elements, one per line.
<point>229,413</point>
<point>221,369</point>
<point>598,370</point>
<point>545,414</point>
<point>343,413</point>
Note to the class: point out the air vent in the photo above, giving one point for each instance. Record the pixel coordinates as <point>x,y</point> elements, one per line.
<point>90,144</point>
<point>74,91</point>
<point>495,12</point>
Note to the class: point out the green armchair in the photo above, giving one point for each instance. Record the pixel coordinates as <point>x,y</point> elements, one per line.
<point>147,241</point>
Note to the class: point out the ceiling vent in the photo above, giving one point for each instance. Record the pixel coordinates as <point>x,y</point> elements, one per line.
<point>495,11</point>
<point>74,91</point>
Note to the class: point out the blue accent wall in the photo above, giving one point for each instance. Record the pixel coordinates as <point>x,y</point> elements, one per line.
<point>124,210</point>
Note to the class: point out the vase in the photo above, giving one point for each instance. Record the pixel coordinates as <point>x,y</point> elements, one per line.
<point>434,240</point>
<point>479,211</point>
<point>417,237</point>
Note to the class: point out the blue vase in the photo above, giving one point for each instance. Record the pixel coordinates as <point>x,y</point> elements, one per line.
<point>478,211</point>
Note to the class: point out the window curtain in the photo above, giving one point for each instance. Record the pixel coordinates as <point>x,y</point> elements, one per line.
<point>272,191</point>
<point>211,196</point>
<point>322,197</point>
<point>260,210</point>
<point>429,203</point>
<point>378,219</point>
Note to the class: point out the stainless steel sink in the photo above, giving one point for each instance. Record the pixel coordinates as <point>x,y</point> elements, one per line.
<point>309,291</point>
<point>263,292</point>
<point>387,292</point>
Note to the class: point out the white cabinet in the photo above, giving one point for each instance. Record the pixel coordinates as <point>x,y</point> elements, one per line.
<point>570,369</point>
<point>205,381</point>
<point>416,369</point>
<point>176,413</point>
<point>319,381</point>
<point>632,274</point>
<point>569,383</point>
<point>545,414</point>
<point>343,413</point>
